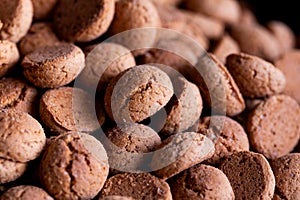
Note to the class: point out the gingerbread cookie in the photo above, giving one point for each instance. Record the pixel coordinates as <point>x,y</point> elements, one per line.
<point>10,170</point>
<point>9,56</point>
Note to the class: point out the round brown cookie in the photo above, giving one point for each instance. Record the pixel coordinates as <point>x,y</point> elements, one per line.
<point>43,8</point>
<point>137,186</point>
<point>10,170</point>
<point>128,146</point>
<point>254,76</point>
<point>229,137</point>
<point>262,44</point>
<point>250,176</point>
<point>116,198</point>
<point>287,176</point>
<point>40,34</point>
<point>81,20</point>
<point>53,66</point>
<point>68,170</point>
<point>104,62</point>
<point>283,34</point>
<point>274,126</point>
<point>137,94</point>
<point>9,56</point>
<point>180,152</point>
<point>25,192</point>
<point>201,182</point>
<point>18,94</point>
<point>225,46</point>
<point>289,65</point>
<point>228,11</point>
<point>16,16</point>
<point>69,109</point>
<point>22,137</point>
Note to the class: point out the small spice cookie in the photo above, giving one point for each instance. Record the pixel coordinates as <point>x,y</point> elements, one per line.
<point>9,56</point>
<point>82,21</point>
<point>40,34</point>
<point>250,176</point>
<point>53,66</point>
<point>18,94</point>
<point>43,8</point>
<point>274,126</point>
<point>287,176</point>
<point>180,152</point>
<point>16,16</point>
<point>229,137</point>
<point>68,170</point>
<point>69,109</point>
<point>10,170</point>
<point>25,192</point>
<point>137,94</point>
<point>254,76</point>
<point>137,186</point>
<point>201,182</point>
<point>116,198</point>
<point>22,137</point>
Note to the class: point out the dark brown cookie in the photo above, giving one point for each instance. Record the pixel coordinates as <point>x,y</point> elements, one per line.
<point>9,56</point>
<point>25,192</point>
<point>10,170</point>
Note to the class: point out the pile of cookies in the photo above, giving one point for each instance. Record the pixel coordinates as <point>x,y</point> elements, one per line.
<point>119,100</point>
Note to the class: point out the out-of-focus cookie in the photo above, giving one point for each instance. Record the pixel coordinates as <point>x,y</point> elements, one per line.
<point>25,192</point>
<point>53,66</point>
<point>273,126</point>
<point>254,76</point>
<point>250,176</point>
<point>137,186</point>
<point>82,21</point>
<point>43,8</point>
<point>201,182</point>
<point>16,17</point>
<point>167,2</point>
<point>225,46</point>
<point>10,170</point>
<point>9,56</point>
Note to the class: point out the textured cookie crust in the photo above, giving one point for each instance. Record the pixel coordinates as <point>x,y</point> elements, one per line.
<point>273,126</point>
<point>137,186</point>
<point>25,192</point>
<point>254,76</point>
<point>250,176</point>
<point>81,20</point>
<point>10,170</point>
<point>43,8</point>
<point>201,182</point>
<point>53,66</point>
<point>9,56</point>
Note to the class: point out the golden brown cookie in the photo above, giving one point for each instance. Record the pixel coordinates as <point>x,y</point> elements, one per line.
<point>40,34</point>
<point>9,56</point>
<point>254,76</point>
<point>10,170</point>
<point>137,186</point>
<point>25,192</point>
<point>116,198</point>
<point>43,8</point>
<point>274,126</point>
<point>69,109</point>
<point>53,66</point>
<point>69,170</point>
<point>229,137</point>
<point>250,176</point>
<point>287,176</point>
<point>16,16</point>
<point>22,137</point>
<point>201,182</point>
<point>180,152</point>
<point>137,94</point>
<point>18,94</point>
<point>82,21</point>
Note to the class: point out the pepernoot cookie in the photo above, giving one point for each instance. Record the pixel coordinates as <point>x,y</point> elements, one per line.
<point>201,182</point>
<point>53,66</point>
<point>180,152</point>
<point>9,56</point>
<point>82,21</point>
<point>10,170</point>
<point>273,126</point>
<point>18,94</point>
<point>22,137</point>
<point>137,94</point>
<point>43,8</point>
<point>25,192</point>
<point>229,137</point>
<point>287,176</point>
<point>71,169</point>
<point>250,176</point>
<point>137,186</point>
<point>69,109</point>
<point>254,76</point>
<point>16,17</point>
